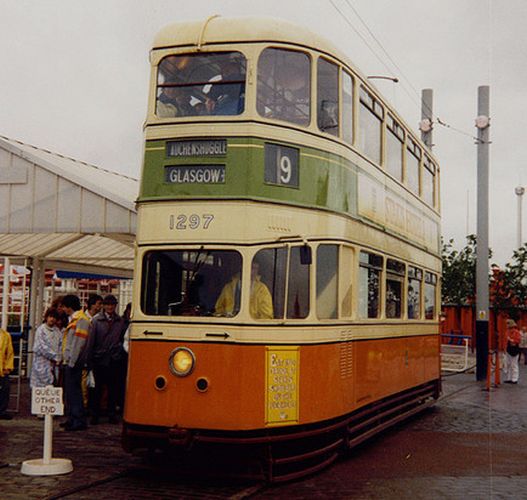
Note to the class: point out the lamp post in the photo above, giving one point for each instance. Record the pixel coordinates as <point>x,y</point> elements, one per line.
<point>519,193</point>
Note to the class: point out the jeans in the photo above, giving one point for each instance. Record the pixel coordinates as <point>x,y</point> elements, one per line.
<point>4,394</point>
<point>73,396</point>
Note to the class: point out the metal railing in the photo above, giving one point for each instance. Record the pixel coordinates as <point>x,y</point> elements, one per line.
<point>455,354</point>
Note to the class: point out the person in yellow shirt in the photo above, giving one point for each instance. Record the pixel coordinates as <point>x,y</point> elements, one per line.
<point>260,302</point>
<point>7,358</point>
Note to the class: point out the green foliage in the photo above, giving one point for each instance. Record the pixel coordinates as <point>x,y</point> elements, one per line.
<point>459,272</point>
<point>511,283</point>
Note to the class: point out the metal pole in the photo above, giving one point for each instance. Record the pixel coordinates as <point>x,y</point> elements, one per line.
<point>519,192</point>
<point>5,293</point>
<point>482,255</point>
<point>427,117</point>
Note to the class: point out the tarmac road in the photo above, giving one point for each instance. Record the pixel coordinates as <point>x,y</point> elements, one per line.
<point>472,444</point>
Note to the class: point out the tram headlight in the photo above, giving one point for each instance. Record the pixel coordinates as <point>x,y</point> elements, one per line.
<point>181,361</point>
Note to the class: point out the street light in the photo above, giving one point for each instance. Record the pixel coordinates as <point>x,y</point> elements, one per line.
<point>520,190</point>
<point>383,77</point>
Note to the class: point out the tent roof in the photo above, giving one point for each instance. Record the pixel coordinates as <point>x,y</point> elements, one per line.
<point>70,214</point>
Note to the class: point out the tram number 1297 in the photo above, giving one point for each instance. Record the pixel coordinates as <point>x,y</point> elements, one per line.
<point>194,221</point>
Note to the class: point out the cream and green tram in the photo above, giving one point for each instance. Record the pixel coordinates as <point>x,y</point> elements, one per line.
<point>287,264</point>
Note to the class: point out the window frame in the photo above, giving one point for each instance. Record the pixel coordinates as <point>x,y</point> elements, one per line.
<point>375,262</point>
<point>309,90</point>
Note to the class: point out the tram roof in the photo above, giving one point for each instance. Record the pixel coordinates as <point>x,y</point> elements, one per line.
<point>73,215</point>
<point>217,29</point>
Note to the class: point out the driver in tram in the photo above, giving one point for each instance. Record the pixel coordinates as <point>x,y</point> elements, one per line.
<point>260,302</point>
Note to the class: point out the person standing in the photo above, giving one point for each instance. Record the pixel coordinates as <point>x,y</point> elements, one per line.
<point>93,307</point>
<point>7,363</point>
<point>104,357</point>
<point>46,351</point>
<point>512,353</point>
<point>76,335</point>
<point>523,344</point>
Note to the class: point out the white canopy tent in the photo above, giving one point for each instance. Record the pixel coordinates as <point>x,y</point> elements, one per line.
<point>60,213</point>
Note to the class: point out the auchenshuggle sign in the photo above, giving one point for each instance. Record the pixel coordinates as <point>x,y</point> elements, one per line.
<point>186,149</point>
<point>195,174</point>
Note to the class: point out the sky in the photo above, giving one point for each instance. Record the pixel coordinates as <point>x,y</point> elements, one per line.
<point>74,79</point>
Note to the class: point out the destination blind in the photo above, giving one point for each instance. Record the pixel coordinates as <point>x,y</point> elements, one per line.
<point>195,174</point>
<point>178,149</point>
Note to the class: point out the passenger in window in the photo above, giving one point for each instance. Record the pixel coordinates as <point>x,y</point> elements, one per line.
<point>413,303</point>
<point>174,101</point>
<point>260,302</point>
<point>227,93</point>
<point>228,303</point>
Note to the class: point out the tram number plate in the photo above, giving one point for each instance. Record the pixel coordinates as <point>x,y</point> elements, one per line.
<point>281,165</point>
<point>193,221</point>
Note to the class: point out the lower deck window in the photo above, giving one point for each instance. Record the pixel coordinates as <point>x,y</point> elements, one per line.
<point>415,277</point>
<point>369,285</point>
<point>191,283</point>
<point>395,272</point>
<point>327,281</point>
<point>430,295</point>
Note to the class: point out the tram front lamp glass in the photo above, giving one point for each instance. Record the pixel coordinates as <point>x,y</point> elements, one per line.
<point>181,361</point>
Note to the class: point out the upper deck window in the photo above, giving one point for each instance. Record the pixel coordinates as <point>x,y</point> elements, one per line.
<point>347,107</point>
<point>428,185</point>
<point>413,160</point>
<point>201,84</point>
<point>284,86</point>
<point>328,97</point>
<point>394,148</point>
<point>370,125</point>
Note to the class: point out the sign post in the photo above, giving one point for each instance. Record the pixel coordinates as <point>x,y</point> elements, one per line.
<point>47,401</point>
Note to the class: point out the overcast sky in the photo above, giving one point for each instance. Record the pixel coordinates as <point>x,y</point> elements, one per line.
<point>74,77</point>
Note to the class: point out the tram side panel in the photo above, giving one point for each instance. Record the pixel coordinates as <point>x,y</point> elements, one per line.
<point>245,391</point>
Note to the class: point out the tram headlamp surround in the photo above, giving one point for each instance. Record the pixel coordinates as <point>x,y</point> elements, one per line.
<point>181,361</point>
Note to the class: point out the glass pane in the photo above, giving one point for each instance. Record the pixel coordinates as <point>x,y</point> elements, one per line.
<point>201,84</point>
<point>369,292</point>
<point>284,86</point>
<point>370,134</point>
<point>414,299</point>
<point>270,265</point>
<point>345,278</point>
<point>298,289</point>
<point>428,187</point>
<point>412,172</point>
<point>394,155</point>
<point>430,300</point>
<point>327,281</point>
<point>328,97</point>
<point>347,107</point>
<point>394,294</point>
<point>191,283</point>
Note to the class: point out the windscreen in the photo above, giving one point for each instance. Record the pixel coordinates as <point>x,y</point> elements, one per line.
<point>191,283</point>
<point>201,84</point>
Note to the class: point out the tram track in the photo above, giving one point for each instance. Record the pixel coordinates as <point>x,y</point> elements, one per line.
<point>177,486</point>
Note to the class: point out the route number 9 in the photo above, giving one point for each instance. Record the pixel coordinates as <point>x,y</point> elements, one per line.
<point>281,165</point>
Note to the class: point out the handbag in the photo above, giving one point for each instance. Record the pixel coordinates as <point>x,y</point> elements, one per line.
<point>513,349</point>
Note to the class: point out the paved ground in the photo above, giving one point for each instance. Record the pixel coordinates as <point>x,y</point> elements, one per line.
<point>473,444</point>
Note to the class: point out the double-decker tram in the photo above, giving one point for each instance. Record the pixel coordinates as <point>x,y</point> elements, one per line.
<point>287,265</point>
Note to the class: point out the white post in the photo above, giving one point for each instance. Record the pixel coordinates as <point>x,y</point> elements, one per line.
<point>48,439</point>
<point>5,292</point>
<point>519,192</point>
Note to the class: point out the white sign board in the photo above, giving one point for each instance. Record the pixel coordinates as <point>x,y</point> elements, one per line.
<point>47,401</point>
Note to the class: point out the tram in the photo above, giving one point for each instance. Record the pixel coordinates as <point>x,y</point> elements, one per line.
<point>288,254</point>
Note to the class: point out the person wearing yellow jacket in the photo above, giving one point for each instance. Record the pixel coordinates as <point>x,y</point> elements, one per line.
<point>260,302</point>
<point>7,357</point>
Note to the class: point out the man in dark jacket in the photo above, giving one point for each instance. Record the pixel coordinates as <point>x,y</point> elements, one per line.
<point>104,354</point>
